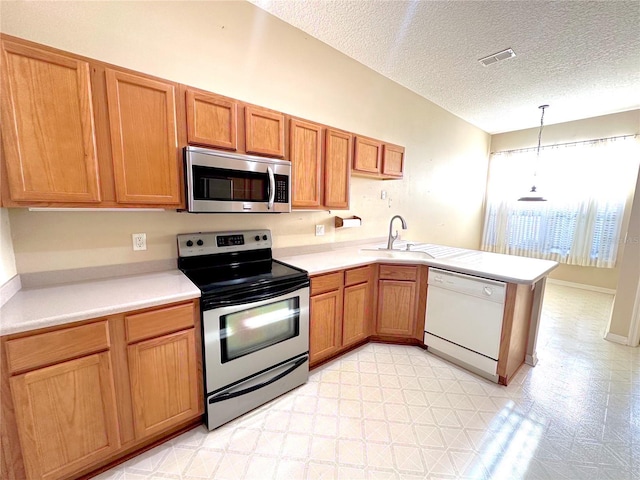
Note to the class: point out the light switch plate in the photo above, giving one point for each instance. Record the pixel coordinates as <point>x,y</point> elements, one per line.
<point>319,230</point>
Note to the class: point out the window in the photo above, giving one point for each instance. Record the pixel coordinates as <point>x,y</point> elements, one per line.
<point>587,186</point>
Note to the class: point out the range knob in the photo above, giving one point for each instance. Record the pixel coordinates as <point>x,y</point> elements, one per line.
<point>257,238</point>
<point>264,237</point>
<point>189,243</point>
<point>200,243</point>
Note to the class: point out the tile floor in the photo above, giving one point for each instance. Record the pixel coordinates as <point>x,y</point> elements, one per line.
<point>395,412</point>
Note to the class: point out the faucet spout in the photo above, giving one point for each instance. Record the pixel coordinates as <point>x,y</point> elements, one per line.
<point>393,237</point>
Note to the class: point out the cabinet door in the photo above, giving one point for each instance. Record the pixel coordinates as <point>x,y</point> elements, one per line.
<point>142,118</point>
<point>306,164</point>
<point>367,155</point>
<point>357,311</point>
<point>264,130</point>
<point>337,167</point>
<point>164,386</point>
<point>211,120</point>
<point>393,161</point>
<point>396,307</point>
<point>66,416</point>
<point>325,325</point>
<point>47,127</point>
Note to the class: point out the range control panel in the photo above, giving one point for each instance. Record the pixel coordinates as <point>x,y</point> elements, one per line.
<point>210,243</point>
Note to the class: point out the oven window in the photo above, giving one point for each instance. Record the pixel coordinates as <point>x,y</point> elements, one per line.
<point>256,328</point>
<point>229,185</point>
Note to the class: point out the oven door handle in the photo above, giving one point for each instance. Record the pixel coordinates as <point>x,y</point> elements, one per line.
<point>220,397</point>
<point>272,188</point>
<point>249,298</point>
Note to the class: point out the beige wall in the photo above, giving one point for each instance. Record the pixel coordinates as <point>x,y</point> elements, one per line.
<point>624,123</point>
<point>629,274</point>
<point>7,258</point>
<point>235,49</point>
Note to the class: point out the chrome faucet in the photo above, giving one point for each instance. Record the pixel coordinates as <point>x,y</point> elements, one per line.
<point>392,237</point>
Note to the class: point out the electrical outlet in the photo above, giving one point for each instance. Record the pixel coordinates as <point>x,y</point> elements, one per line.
<point>383,195</point>
<point>319,230</point>
<point>139,241</point>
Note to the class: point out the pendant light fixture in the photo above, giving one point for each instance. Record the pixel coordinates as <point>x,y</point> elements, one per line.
<point>533,195</point>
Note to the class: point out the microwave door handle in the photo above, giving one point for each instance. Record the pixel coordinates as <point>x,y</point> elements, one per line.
<point>272,188</point>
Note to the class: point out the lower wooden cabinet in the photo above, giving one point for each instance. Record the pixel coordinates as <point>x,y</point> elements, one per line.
<point>80,396</point>
<point>358,295</point>
<point>396,307</point>
<point>66,416</point>
<point>340,311</point>
<point>325,319</point>
<point>164,383</point>
<point>402,291</point>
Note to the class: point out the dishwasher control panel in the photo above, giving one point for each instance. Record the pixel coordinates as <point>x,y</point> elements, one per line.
<point>492,290</point>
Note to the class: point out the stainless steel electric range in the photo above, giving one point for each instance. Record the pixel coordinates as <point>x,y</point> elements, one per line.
<point>255,320</point>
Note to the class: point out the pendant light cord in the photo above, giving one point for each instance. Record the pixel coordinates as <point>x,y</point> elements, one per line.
<point>535,171</point>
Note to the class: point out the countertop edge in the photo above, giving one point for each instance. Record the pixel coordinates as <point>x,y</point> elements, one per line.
<point>60,320</point>
<point>356,260</point>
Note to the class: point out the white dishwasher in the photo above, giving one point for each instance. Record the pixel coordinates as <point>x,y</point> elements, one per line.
<point>464,320</point>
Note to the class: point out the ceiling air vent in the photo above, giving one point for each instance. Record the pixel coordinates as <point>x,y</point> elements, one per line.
<point>496,57</point>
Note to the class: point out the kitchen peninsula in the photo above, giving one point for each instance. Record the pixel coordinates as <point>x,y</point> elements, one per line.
<point>396,298</point>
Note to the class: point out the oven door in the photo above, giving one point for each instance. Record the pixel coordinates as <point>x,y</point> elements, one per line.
<point>250,336</point>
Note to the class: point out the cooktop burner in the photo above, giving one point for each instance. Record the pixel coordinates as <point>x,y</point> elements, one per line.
<point>219,262</point>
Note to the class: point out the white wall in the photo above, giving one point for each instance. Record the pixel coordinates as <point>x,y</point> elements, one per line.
<point>236,49</point>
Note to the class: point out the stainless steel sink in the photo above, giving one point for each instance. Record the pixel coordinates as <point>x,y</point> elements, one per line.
<point>395,253</point>
<point>411,250</point>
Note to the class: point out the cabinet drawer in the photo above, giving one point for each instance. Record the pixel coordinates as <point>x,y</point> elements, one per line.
<point>357,275</point>
<point>398,272</point>
<point>158,322</point>
<point>28,353</point>
<point>326,283</point>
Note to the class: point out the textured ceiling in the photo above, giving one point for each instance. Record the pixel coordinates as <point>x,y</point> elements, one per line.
<point>580,57</point>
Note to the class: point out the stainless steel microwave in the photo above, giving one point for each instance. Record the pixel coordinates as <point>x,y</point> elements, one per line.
<point>223,182</point>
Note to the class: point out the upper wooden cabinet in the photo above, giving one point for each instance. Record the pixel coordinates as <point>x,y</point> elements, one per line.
<point>337,167</point>
<point>144,139</point>
<point>264,131</point>
<point>79,133</point>
<point>392,160</point>
<point>48,126</point>
<point>211,120</point>
<point>320,169</point>
<point>367,156</point>
<point>373,158</point>
<point>306,164</point>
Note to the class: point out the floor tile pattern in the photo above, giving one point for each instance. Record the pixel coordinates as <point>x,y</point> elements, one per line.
<point>398,412</point>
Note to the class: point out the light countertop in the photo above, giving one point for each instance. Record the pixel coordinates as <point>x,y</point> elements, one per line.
<point>47,306</point>
<point>34,308</point>
<point>507,268</point>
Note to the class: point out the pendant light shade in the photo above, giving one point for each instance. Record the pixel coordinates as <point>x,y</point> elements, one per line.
<point>533,195</point>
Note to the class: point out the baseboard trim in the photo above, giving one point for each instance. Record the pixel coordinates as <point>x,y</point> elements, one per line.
<point>612,337</point>
<point>582,286</point>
